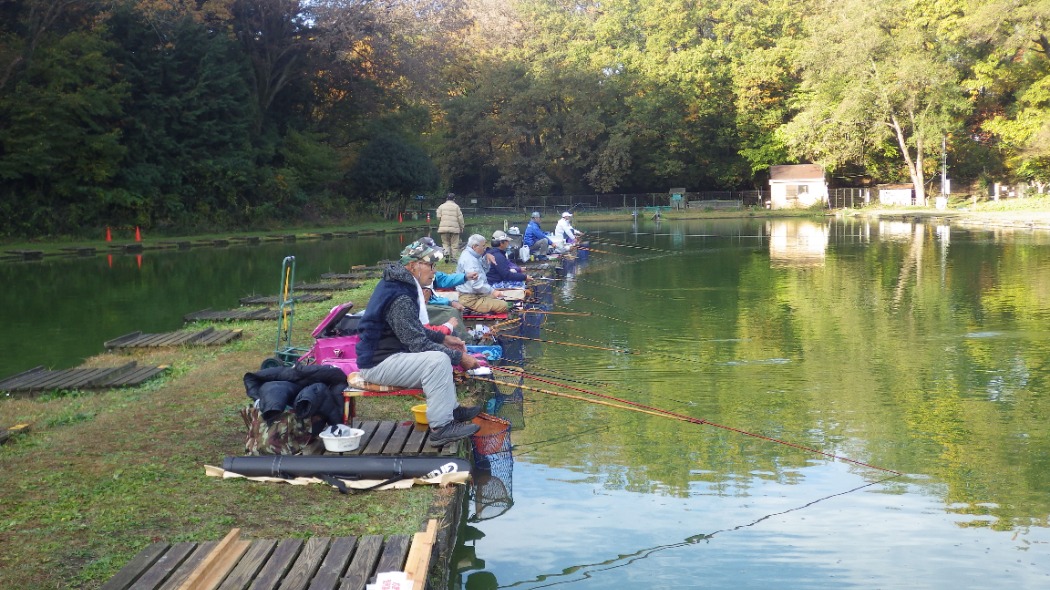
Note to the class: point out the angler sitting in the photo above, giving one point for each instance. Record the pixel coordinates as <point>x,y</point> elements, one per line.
<point>477,294</point>
<point>504,274</point>
<point>535,238</point>
<point>565,232</point>
<point>395,349</point>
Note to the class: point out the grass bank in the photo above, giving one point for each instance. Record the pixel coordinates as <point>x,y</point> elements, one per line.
<point>101,475</point>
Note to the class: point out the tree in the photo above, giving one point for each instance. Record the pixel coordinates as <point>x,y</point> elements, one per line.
<point>1012,77</point>
<point>389,170</point>
<point>60,143</point>
<point>189,122</point>
<point>877,80</point>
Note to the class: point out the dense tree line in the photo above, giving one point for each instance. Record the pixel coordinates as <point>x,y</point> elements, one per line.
<point>198,113</point>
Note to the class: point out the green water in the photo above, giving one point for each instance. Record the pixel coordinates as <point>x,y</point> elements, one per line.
<point>58,311</point>
<point>824,356</point>
<point>920,349</point>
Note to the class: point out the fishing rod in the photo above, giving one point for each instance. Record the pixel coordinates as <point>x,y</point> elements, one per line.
<point>588,249</point>
<point>618,245</point>
<point>545,312</point>
<point>625,351</point>
<point>659,412</point>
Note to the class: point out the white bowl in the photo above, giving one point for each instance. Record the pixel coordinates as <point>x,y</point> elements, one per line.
<point>341,438</point>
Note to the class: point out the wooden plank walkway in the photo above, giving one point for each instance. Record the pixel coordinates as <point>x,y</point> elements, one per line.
<point>274,299</point>
<point>231,315</point>
<point>327,286</point>
<point>317,563</point>
<point>39,379</point>
<point>206,337</point>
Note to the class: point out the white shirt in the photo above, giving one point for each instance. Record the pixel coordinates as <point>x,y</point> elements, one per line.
<point>565,231</point>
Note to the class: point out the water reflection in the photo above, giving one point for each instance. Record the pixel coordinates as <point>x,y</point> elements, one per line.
<point>799,243</point>
<point>911,347</point>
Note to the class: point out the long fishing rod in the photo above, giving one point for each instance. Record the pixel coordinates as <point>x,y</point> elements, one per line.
<point>546,312</point>
<point>626,351</point>
<point>618,245</point>
<point>623,350</point>
<point>653,411</point>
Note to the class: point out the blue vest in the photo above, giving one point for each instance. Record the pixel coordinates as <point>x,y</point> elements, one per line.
<point>378,341</point>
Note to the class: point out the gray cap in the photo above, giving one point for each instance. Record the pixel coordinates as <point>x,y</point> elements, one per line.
<point>536,214</point>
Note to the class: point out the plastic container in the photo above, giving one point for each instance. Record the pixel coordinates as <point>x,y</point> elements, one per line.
<point>420,413</point>
<point>341,438</point>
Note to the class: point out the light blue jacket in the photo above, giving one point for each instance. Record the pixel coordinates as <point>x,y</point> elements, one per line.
<point>470,261</point>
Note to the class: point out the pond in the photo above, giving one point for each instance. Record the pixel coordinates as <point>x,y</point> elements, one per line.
<point>856,404</point>
<point>58,311</point>
<point>804,365</point>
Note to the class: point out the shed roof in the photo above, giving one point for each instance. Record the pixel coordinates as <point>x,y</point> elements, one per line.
<point>796,172</point>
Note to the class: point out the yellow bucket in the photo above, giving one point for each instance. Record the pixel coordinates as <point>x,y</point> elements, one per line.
<point>420,412</point>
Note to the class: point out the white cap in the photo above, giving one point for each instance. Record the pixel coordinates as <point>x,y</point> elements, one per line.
<point>566,214</point>
<point>498,235</point>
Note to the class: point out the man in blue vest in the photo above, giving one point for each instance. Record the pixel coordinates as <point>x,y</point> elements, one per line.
<point>395,349</point>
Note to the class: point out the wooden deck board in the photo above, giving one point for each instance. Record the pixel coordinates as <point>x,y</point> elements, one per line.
<point>135,568</point>
<point>188,565</point>
<point>334,564</point>
<point>378,441</point>
<point>165,566</point>
<point>249,565</point>
<point>278,565</point>
<point>298,578</point>
<point>363,564</point>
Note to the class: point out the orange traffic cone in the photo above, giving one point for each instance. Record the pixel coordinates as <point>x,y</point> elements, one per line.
<point>428,216</point>
<point>138,236</point>
<point>109,236</point>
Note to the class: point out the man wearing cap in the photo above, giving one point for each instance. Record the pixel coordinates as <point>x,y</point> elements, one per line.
<point>535,238</point>
<point>477,294</point>
<point>504,274</point>
<point>395,349</point>
<point>565,231</point>
<point>450,225</point>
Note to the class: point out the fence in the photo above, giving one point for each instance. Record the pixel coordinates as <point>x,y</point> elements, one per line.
<point>848,198</point>
<point>554,205</point>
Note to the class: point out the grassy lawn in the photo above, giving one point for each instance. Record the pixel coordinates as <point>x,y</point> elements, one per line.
<point>101,475</point>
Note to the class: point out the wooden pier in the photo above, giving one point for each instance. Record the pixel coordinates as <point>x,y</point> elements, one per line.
<point>360,275</point>
<point>206,337</point>
<point>208,315</point>
<point>275,299</point>
<point>39,379</point>
<point>327,286</point>
<point>318,563</point>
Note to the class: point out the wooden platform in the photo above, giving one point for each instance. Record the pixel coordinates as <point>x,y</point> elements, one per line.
<point>232,315</point>
<point>399,438</point>
<point>317,563</point>
<point>361,275</point>
<point>25,254</point>
<point>206,337</point>
<point>275,299</point>
<point>327,286</point>
<point>39,379</point>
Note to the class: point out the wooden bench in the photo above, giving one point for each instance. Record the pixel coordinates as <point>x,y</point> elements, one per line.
<point>317,563</point>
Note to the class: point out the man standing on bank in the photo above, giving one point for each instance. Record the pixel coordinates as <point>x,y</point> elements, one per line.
<point>395,349</point>
<point>450,225</point>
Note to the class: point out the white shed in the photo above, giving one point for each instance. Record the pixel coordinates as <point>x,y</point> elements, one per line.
<point>796,185</point>
<point>897,194</point>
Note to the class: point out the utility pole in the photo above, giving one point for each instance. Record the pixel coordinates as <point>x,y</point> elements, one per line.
<point>944,166</point>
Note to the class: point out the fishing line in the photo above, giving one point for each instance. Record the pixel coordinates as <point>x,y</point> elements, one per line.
<point>644,409</point>
<point>619,561</point>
